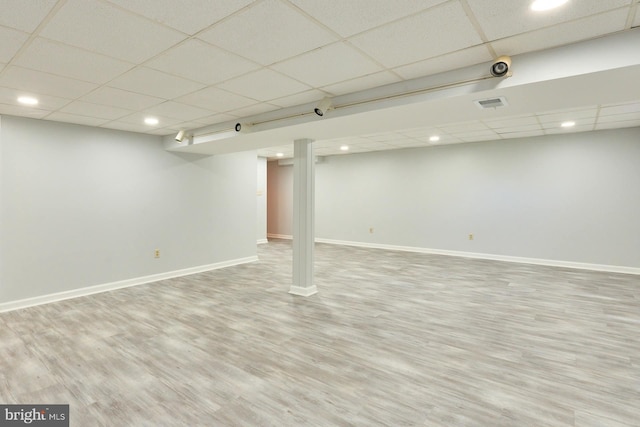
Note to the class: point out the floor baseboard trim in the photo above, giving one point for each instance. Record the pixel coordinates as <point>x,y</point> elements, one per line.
<point>262,241</point>
<point>303,292</point>
<point>493,257</point>
<point>279,236</point>
<point>90,290</point>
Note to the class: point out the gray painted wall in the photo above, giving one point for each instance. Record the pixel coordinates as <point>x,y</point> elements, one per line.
<point>571,197</point>
<point>83,206</point>
<point>261,194</point>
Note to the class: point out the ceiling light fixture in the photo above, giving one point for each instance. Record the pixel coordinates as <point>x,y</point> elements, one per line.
<point>180,136</point>
<point>151,121</point>
<point>280,154</point>
<point>323,106</point>
<point>434,138</point>
<point>27,100</point>
<point>344,148</point>
<point>501,67</point>
<point>542,5</point>
<point>568,124</point>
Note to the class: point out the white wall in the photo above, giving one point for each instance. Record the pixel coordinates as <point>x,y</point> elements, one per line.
<point>571,197</point>
<point>261,194</point>
<point>83,206</point>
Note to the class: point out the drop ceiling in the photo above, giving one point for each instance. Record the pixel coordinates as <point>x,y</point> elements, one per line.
<point>112,63</point>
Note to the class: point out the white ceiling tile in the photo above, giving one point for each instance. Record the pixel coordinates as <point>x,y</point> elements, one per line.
<point>121,98</point>
<point>511,121</point>
<point>264,85</point>
<point>619,117</point>
<point>105,112</point>
<point>129,127</point>
<point>569,115</point>
<point>589,121</point>
<point>215,99</point>
<point>268,32</point>
<point>24,15</point>
<point>155,83</point>
<point>254,110</point>
<point>575,129</point>
<point>46,84</point>
<point>188,125</point>
<point>470,126</point>
<point>475,135</point>
<point>309,96</point>
<point>199,61</point>
<point>138,120</point>
<point>12,41</point>
<point>19,110</point>
<point>73,118</point>
<point>354,16</point>
<point>421,132</point>
<point>523,134</point>
<point>331,64</point>
<point>450,61</point>
<point>68,61</point>
<point>478,138</point>
<point>362,83</point>
<point>440,30</point>
<point>106,29</point>
<point>177,110</point>
<point>504,18</point>
<point>607,110</point>
<point>521,128</point>
<point>444,139</point>
<point>562,34</point>
<point>618,125</point>
<point>45,102</point>
<point>188,17</point>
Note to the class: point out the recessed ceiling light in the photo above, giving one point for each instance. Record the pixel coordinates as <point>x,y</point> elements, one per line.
<point>280,154</point>
<point>568,124</point>
<point>434,138</point>
<point>27,100</point>
<point>542,5</point>
<point>344,148</point>
<point>151,121</point>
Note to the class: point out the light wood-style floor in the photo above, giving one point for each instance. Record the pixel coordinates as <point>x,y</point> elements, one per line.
<point>392,339</point>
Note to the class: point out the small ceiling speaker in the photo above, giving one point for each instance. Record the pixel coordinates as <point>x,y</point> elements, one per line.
<point>180,136</point>
<point>323,106</point>
<point>501,66</point>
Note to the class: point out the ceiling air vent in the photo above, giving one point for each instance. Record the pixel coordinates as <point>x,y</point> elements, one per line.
<point>492,103</point>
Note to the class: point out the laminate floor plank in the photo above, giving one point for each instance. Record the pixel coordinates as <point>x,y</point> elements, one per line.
<point>391,339</point>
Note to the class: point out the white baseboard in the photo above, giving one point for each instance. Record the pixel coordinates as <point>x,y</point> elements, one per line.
<point>262,241</point>
<point>90,290</point>
<point>279,236</point>
<point>303,292</point>
<point>506,258</point>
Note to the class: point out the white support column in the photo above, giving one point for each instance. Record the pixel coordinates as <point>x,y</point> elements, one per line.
<point>303,218</point>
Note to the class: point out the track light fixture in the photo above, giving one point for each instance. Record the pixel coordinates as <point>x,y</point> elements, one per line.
<point>323,106</point>
<point>242,127</point>
<point>501,67</point>
<point>180,136</point>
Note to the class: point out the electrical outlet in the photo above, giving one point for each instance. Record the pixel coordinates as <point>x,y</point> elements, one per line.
<point>156,253</point>
<point>371,230</point>
<point>471,236</point>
